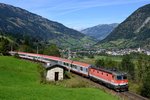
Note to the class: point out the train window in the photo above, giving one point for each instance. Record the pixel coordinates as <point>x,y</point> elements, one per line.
<point>67,64</point>
<point>64,63</point>
<point>81,68</point>
<point>113,76</point>
<point>74,66</point>
<point>119,77</point>
<point>22,55</point>
<point>86,70</point>
<point>124,77</point>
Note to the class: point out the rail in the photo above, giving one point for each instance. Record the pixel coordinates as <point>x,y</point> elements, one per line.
<point>132,96</point>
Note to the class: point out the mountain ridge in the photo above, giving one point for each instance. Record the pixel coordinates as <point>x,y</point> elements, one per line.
<point>17,21</point>
<point>132,32</point>
<point>100,31</point>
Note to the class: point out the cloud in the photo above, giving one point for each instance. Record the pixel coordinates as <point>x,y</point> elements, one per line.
<point>62,7</point>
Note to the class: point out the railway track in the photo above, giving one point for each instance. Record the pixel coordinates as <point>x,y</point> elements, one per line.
<point>120,95</point>
<point>132,96</point>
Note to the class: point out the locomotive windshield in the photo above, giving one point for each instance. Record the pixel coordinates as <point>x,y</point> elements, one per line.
<point>121,77</point>
<point>124,76</point>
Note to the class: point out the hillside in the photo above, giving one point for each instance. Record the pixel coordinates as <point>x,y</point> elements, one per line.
<point>131,33</point>
<point>99,32</point>
<point>18,22</point>
<point>20,80</point>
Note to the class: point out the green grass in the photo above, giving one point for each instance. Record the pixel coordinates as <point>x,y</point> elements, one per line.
<point>135,87</point>
<point>20,80</point>
<point>119,43</point>
<point>114,58</point>
<point>92,60</point>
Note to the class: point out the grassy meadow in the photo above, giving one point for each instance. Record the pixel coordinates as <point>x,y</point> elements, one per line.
<point>92,60</point>
<point>20,80</point>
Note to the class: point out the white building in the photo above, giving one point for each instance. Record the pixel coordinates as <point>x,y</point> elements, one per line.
<point>55,73</point>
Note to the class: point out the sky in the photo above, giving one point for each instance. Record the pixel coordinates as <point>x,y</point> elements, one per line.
<point>80,14</point>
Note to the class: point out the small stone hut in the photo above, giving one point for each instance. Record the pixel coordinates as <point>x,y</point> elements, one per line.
<point>54,72</point>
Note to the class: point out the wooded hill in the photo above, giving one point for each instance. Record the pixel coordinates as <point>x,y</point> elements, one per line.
<point>17,23</point>
<point>131,33</point>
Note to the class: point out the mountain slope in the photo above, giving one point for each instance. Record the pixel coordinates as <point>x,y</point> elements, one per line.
<point>15,21</point>
<point>99,32</point>
<point>133,32</point>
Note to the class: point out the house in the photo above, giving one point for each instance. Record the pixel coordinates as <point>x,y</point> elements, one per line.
<point>54,72</point>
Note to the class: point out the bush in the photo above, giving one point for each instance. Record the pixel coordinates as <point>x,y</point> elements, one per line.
<point>67,75</point>
<point>42,73</point>
<point>16,55</point>
<point>100,63</point>
<point>146,86</point>
<point>128,66</point>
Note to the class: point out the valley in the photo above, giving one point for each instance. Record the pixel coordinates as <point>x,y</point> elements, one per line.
<point>115,36</point>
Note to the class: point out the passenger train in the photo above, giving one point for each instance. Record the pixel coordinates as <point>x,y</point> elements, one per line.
<point>111,78</point>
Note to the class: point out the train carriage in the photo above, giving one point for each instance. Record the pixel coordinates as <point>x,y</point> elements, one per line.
<point>81,68</point>
<point>78,67</point>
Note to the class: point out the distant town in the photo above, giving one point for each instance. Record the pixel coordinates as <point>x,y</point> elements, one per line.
<point>127,51</point>
<point>114,52</point>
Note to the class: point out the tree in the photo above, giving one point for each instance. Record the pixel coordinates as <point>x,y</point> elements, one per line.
<point>52,50</point>
<point>143,66</point>
<point>25,48</point>
<point>128,66</point>
<point>109,63</point>
<point>90,56</point>
<point>27,40</point>
<point>4,46</point>
<point>100,63</point>
<point>28,44</point>
<point>146,86</point>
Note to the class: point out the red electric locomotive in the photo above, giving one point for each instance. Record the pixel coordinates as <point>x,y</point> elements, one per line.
<point>111,78</point>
